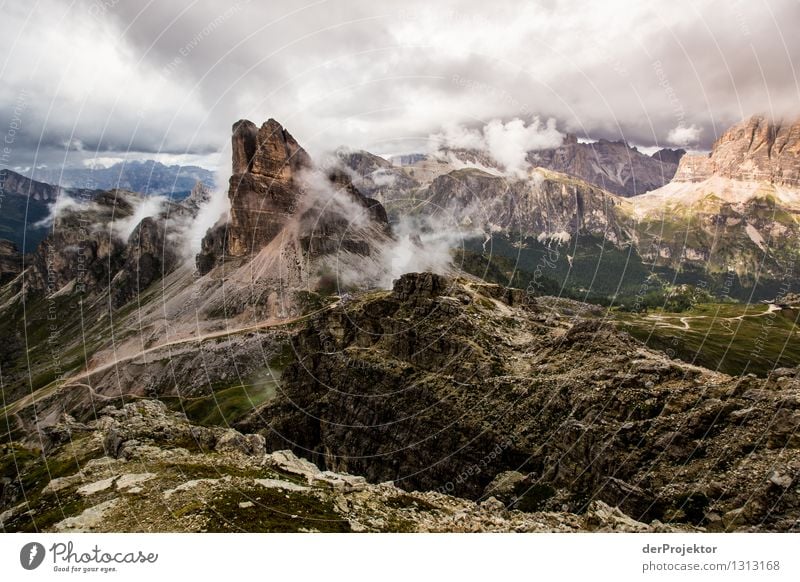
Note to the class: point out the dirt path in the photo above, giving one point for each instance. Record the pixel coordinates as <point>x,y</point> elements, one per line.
<point>50,388</point>
<point>665,321</point>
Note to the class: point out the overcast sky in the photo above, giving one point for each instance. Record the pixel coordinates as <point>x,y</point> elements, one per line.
<point>166,80</point>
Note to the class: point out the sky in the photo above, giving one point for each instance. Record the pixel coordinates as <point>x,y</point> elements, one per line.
<point>95,81</point>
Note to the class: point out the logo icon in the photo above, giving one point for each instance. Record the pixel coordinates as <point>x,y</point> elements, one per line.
<point>31,555</point>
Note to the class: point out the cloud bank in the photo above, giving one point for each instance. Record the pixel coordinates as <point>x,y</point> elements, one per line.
<point>100,78</point>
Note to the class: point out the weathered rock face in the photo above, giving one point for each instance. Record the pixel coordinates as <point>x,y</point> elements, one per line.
<point>141,467</point>
<point>13,183</point>
<point>10,261</point>
<point>669,156</point>
<point>82,249</point>
<point>148,257</point>
<point>263,188</point>
<point>439,385</point>
<point>612,165</point>
<point>85,249</point>
<point>548,204</point>
<point>756,238</point>
<point>272,185</point>
<point>755,150</point>
<point>26,206</point>
<point>377,177</point>
<point>199,195</point>
<point>330,228</point>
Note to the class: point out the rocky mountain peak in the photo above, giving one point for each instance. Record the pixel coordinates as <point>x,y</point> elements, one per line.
<point>757,149</point>
<point>275,185</point>
<point>10,260</point>
<point>268,151</point>
<point>669,156</point>
<point>17,184</point>
<point>613,165</point>
<point>263,189</point>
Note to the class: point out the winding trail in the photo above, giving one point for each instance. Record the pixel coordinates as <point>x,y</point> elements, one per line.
<point>664,321</point>
<point>50,388</point>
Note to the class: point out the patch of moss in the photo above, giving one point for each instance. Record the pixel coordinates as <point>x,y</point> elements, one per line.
<point>485,303</point>
<point>399,525</point>
<point>33,471</point>
<point>733,338</point>
<point>14,457</point>
<point>226,403</point>
<point>283,358</point>
<point>190,471</point>
<point>224,407</point>
<point>273,510</point>
<point>310,301</point>
<point>45,511</point>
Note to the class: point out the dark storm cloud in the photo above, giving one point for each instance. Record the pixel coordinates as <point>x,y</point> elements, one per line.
<point>169,78</point>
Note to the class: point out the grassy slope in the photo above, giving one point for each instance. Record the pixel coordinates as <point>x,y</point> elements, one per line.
<point>733,338</point>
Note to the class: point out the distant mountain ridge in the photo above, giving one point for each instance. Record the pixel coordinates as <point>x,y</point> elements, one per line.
<point>145,177</point>
<point>612,165</point>
<point>24,204</point>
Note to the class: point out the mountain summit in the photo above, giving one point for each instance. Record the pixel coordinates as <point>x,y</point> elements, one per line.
<point>755,150</point>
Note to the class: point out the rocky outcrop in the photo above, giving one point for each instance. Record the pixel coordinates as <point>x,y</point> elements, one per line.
<point>756,149</point>
<point>26,207</point>
<point>437,385</point>
<point>264,186</point>
<point>377,177</point>
<point>85,252</point>
<point>77,252</point>
<point>143,468</point>
<point>10,261</point>
<point>272,184</point>
<point>13,183</point>
<point>148,257</point>
<point>342,223</point>
<point>669,156</point>
<point>199,196</point>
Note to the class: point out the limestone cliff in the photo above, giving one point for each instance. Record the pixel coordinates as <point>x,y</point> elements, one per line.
<point>274,190</point>
<point>756,150</point>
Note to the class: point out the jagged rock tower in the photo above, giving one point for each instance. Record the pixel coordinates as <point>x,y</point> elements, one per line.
<point>271,197</point>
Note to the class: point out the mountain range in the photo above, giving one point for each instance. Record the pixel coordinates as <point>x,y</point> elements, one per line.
<point>731,214</point>
<point>145,177</point>
<point>345,335</point>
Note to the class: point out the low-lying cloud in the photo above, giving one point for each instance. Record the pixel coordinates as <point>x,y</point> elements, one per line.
<point>62,205</point>
<point>683,135</point>
<point>507,143</point>
<point>144,207</point>
<point>416,243</point>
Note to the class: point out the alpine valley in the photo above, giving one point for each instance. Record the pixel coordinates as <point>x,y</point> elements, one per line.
<point>606,341</point>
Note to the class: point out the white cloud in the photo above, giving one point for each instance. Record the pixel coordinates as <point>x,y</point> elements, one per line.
<point>507,143</point>
<point>510,143</point>
<point>377,75</point>
<point>143,208</point>
<point>62,204</point>
<point>101,162</point>
<point>683,135</point>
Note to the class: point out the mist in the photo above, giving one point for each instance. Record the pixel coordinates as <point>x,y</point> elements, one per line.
<point>146,207</point>
<point>416,243</point>
<point>507,143</point>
